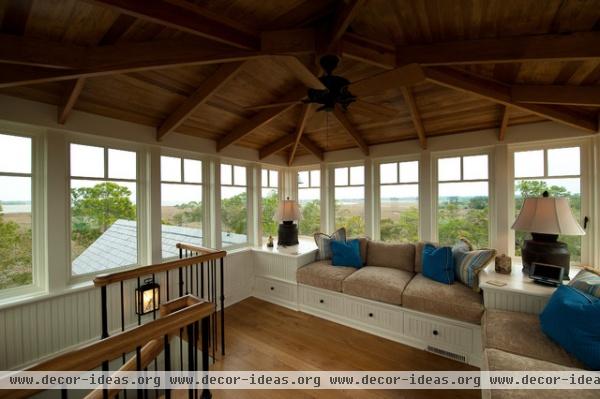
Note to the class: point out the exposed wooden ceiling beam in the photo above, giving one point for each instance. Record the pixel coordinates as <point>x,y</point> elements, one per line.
<point>368,51</point>
<point>276,146</point>
<point>501,93</point>
<point>503,123</point>
<point>312,147</point>
<point>189,18</point>
<point>42,53</point>
<point>356,136</point>
<point>72,91</point>
<point>406,75</point>
<point>574,46</point>
<point>341,21</point>
<point>370,109</point>
<point>290,41</point>
<point>211,85</point>
<point>261,118</point>
<point>126,57</point>
<point>566,95</point>
<point>304,114</point>
<point>416,117</point>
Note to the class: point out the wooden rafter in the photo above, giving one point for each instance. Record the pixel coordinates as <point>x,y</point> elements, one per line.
<point>503,123</point>
<point>261,118</point>
<point>72,91</point>
<point>312,147</point>
<point>407,75</point>
<point>501,93</point>
<point>361,49</point>
<point>210,86</point>
<point>340,23</point>
<point>356,136</point>
<point>566,95</point>
<point>575,46</point>
<point>276,146</point>
<point>42,53</point>
<point>124,58</point>
<point>416,117</point>
<point>304,114</point>
<point>189,18</point>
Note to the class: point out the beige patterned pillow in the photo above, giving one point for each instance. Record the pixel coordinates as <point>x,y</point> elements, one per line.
<point>323,242</point>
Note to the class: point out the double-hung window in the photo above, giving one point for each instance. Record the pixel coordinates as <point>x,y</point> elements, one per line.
<point>182,211</point>
<point>16,222</point>
<point>234,205</point>
<point>556,170</point>
<point>349,199</point>
<point>399,201</point>
<point>269,201</point>
<point>463,199</point>
<point>309,199</point>
<point>103,191</point>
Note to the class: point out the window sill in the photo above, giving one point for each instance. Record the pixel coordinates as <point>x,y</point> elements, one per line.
<point>37,296</point>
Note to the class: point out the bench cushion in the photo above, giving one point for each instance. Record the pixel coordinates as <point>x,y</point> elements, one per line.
<point>382,284</point>
<point>497,360</point>
<point>322,274</point>
<point>399,256</point>
<point>521,334</point>
<point>454,301</point>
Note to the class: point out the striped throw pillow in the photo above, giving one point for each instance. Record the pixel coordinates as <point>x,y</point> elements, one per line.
<point>468,263</point>
<point>323,242</point>
<point>587,281</point>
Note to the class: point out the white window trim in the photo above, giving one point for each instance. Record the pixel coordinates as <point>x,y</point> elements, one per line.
<point>142,214</point>
<point>251,184</point>
<point>280,194</point>
<point>377,190</point>
<point>585,168</point>
<point>331,194</point>
<point>492,214</point>
<point>322,187</point>
<point>39,262</point>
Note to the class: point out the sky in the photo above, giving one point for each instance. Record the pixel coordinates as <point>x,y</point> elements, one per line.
<point>89,161</point>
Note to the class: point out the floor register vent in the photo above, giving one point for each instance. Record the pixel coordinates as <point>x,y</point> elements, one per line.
<point>445,353</point>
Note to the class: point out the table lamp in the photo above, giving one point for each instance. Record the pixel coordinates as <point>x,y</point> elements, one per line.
<point>545,218</point>
<point>287,212</point>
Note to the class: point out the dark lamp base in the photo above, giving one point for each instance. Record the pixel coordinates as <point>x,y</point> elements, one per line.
<point>546,251</point>
<point>287,234</point>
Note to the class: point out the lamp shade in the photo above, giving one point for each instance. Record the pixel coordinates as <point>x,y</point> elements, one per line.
<point>287,210</point>
<point>547,215</point>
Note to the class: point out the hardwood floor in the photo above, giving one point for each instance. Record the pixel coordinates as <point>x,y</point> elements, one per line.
<point>263,336</point>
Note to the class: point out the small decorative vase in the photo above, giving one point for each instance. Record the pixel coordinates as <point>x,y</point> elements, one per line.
<point>503,264</point>
<point>270,242</point>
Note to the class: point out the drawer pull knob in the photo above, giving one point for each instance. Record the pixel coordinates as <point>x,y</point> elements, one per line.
<point>435,332</point>
<point>272,288</point>
<point>370,314</point>
<point>321,301</point>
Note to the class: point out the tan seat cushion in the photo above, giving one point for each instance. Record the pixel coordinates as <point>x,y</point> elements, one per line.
<point>454,301</point>
<point>496,360</point>
<point>399,256</point>
<point>521,334</point>
<point>382,284</point>
<point>322,274</point>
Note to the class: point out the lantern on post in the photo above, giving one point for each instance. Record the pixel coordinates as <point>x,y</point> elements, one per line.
<point>147,297</point>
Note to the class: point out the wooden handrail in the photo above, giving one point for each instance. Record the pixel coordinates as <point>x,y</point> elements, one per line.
<point>195,248</point>
<point>106,279</point>
<point>92,355</point>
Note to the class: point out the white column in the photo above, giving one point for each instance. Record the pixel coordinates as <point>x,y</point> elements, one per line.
<point>500,214</point>
<point>426,196</point>
<point>153,194</point>
<point>369,199</point>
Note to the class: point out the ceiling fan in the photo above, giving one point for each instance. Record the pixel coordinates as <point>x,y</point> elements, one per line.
<point>336,90</point>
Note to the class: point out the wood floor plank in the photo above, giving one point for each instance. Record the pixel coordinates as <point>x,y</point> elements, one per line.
<point>264,336</point>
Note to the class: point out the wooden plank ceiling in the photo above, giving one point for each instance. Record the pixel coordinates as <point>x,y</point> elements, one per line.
<point>201,67</point>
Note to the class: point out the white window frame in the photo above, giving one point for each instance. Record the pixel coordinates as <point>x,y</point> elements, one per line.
<point>296,190</point>
<point>250,194</point>
<point>377,192</point>
<point>280,190</point>
<point>142,214</point>
<point>331,200</point>
<point>586,186</point>
<point>39,267</point>
<point>183,156</point>
<point>490,180</point>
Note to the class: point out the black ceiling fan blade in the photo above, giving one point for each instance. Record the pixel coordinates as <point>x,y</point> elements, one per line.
<point>273,105</point>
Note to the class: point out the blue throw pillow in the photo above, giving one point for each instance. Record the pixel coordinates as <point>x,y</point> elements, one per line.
<point>438,264</point>
<point>346,253</point>
<point>572,319</point>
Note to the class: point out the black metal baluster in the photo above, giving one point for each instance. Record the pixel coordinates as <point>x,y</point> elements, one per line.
<point>202,280</point>
<point>167,365</point>
<point>153,298</point>
<point>104,312</point>
<point>138,367</point>
<point>205,323</point>
<point>123,358</point>
<point>64,393</point>
<point>168,288</point>
<point>140,303</point>
<point>180,282</point>
<point>222,286</point>
<point>186,276</point>
<point>214,315</point>
<point>197,280</point>
<point>190,334</point>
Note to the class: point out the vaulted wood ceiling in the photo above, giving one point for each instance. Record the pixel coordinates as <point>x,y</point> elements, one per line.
<point>201,67</point>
